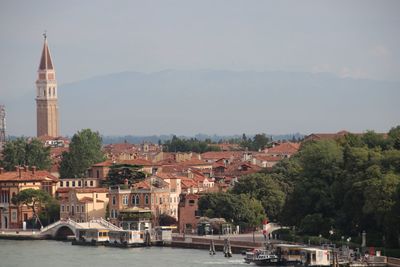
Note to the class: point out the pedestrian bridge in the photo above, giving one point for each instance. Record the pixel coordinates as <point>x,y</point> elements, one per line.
<point>64,228</point>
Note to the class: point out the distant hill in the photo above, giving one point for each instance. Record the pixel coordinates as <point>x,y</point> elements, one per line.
<point>220,102</point>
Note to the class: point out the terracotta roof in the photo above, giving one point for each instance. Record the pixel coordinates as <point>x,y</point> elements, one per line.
<point>164,175</point>
<point>106,163</point>
<point>284,148</point>
<point>86,199</point>
<point>142,185</point>
<point>120,148</point>
<point>193,162</point>
<point>188,183</point>
<point>142,162</point>
<point>45,61</point>
<point>91,190</point>
<point>267,158</point>
<point>215,155</point>
<point>26,176</point>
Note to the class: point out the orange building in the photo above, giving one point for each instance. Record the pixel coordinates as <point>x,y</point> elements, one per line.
<point>11,183</point>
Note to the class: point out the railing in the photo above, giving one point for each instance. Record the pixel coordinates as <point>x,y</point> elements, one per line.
<point>50,226</point>
<point>67,221</point>
<point>106,224</point>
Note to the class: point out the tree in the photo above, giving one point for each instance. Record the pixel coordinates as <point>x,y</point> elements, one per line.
<point>84,151</point>
<point>26,152</point>
<point>34,199</point>
<point>263,188</point>
<point>394,135</point>
<point>166,220</point>
<point>119,172</point>
<point>260,141</point>
<point>238,209</point>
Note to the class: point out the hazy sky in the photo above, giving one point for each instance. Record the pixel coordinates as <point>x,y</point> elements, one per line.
<point>359,39</point>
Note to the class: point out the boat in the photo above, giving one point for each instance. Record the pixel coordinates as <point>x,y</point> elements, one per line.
<point>91,236</point>
<point>289,255</point>
<point>126,238</point>
<point>261,257</point>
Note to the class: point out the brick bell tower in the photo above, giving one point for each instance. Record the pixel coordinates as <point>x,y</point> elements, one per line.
<point>46,96</point>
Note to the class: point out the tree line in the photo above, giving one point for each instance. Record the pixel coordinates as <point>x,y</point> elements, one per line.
<point>348,185</point>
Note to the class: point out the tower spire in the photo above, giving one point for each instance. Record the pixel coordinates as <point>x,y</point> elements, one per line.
<point>45,61</point>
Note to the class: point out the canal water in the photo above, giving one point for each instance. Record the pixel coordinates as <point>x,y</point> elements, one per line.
<point>43,253</point>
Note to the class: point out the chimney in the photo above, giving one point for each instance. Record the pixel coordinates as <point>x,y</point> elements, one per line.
<point>1,170</point>
<point>126,181</point>
<point>33,169</point>
<point>19,172</point>
<point>26,168</point>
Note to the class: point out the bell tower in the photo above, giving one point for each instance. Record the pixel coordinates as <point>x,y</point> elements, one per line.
<point>46,96</point>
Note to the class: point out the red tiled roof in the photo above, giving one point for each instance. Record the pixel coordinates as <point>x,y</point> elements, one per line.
<point>215,155</point>
<point>106,163</point>
<point>284,148</point>
<point>267,158</point>
<point>26,176</point>
<point>193,162</point>
<point>142,162</point>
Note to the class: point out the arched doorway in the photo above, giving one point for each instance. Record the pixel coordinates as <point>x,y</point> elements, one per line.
<point>63,232</point>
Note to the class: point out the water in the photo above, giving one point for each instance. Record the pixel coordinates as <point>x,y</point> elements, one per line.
<point>44,253</point>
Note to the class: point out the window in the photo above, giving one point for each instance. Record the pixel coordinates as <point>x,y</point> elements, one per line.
<point>62,208</point>
<point>14,216</point>
<point>54,91</point>
<point>78,209</point>
<point>146,199</point>
<point>91,183</point>
<point>61,184</point>
<point>79,183</point>
<point>67,184</point>
<point>97,174</point>
<point>125,200</point>
<point>113,213</point>
<point>191,202</point>
<point>85,183</point>
<point>114,201</point>
<point>136,202</point>
<point>160,200</point>
<point>73,184</point>
<point>67,208</point>
<point>83,208</point>
<point>97,195</point>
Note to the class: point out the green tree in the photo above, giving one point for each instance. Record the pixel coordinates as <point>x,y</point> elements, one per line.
<point>265,189</point>
<point>26,152</point>
<point>84,151</point>
<point>119,172</point>
<point>34,199</point>
<point>166,220</point>
<point>394,135</point>
<point>238,209</point>
<point>260,141</point>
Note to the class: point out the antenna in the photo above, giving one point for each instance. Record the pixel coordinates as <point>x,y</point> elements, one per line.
<point>45,34</point>
<point>2,124</point>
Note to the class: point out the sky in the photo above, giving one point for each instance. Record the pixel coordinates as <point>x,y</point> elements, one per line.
<point>356,39</point>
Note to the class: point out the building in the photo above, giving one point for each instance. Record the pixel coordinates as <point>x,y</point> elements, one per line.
<point>265,161</point>
<point>283,150</point>
<point>188,213</point>
<point>13,182</point>
<point>84,204</point>
<point>46,96</point>
<point>151,194</point>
